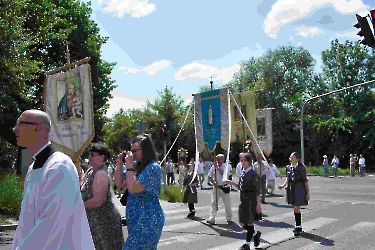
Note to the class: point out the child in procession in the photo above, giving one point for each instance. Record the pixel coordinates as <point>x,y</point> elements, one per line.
<point>297,192</point>
<point>249,187</point>
<point>190,195</point>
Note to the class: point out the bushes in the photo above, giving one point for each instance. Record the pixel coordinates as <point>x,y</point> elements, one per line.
<point>11,187</point>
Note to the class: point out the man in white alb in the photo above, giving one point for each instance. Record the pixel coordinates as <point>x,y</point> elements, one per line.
<point>52,212</point>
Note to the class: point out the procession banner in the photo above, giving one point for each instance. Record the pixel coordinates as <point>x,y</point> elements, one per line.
<point>68,101</point>
<point>211,119</point>
<point>264,130</point>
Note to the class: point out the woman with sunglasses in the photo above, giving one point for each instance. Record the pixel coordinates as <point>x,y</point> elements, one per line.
<point>104,219</point>
<point>144,215</point>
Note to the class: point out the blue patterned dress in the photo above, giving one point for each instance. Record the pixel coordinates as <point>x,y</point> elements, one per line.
<point>144,215</point>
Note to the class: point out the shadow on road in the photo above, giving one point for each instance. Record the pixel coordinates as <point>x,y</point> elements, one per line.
<point>323,241</point>
<point>267,223</point>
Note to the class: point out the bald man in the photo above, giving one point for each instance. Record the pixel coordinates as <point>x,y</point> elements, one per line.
<point>52,212</point>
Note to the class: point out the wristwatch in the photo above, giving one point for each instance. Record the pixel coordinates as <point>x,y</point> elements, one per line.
<point>130,169</point>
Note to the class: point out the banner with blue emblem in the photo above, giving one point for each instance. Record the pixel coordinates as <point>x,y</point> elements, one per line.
<point>212,119</point>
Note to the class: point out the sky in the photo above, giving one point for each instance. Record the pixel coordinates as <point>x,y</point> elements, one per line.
<point>182,44</point>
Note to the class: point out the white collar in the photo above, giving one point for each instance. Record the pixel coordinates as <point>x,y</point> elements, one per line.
<point>40,150</point>
<point>294,166</point>
<point>247,169</point>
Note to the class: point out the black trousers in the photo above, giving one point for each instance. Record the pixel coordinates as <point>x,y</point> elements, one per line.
<point>263,190</point>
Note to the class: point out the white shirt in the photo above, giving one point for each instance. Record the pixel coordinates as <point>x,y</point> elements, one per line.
<point>239,169</point>
<point>201,167</point>
<point>271,172</point>
<point>230,169</point>
<point>219,177</point>
<point>53,215</point>
<point>361,161</point>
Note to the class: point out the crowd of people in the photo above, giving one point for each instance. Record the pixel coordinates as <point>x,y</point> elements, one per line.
<point>355,162</point>
<point>73,206</point>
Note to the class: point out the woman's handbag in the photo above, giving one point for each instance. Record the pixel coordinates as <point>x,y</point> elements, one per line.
<point>124,198</point>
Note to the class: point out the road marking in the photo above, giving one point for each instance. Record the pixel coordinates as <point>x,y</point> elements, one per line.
<point>280,235</point>
<point>348,237</point>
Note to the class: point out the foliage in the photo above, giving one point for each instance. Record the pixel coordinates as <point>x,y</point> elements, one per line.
<point>11,187</point>
<point>173,194</point>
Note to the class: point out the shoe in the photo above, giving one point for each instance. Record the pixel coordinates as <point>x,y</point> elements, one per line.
<point>191,214</point>
<point>230,222</point>
<point>210,221</point>
<point>297,231</point>
<point>245,247</point>
<point>263,202</point>
<point>257,239</point>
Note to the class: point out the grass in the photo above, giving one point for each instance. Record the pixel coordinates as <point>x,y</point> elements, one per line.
<point>173,194</point>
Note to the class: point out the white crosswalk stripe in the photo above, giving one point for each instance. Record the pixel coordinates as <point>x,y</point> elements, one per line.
<point>180,230</point>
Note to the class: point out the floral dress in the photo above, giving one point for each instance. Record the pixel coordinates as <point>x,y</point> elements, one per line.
<point>105,221</point>
<point>144,215</point>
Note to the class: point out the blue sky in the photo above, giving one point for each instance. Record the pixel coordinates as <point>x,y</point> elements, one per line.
<point>181,44</point>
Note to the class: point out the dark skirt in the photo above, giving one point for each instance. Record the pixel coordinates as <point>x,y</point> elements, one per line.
<point>190,197</point>
<point>247,209</point>
<point>296,194</point>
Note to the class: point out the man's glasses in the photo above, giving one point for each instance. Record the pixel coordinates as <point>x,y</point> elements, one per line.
<point>135,150</point>
<point>25,122</point>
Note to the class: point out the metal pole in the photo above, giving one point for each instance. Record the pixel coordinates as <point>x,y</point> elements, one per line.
<point>165,166</point>
<point>319,96</point>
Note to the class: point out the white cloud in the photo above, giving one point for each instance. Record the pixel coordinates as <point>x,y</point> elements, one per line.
<point>150,70</point>
<point>286,11</point>
<point>198,71</point>
<point>306,31</point>
<point>125,102</point>
<point>137,8</point>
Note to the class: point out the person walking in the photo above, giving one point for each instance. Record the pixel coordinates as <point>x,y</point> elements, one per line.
<point>181,172</point>
<point>239,165</point>
<point>103,216</point>
<point>325,166</point>
<point>249,187</point>
<point>352,163</point>
<point>297,192</point>
<point>335,164</point>
<point>216,176</point>
<point>190,194</point>
<point>52,212</point>
<point>170,174</point>
<point>362,165</point>
<point>260,168</point>
<point>201,172</point>
<point>144,215</point>
<point>271,173</point>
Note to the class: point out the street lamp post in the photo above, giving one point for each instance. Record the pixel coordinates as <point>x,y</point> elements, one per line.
<point>317,97</point>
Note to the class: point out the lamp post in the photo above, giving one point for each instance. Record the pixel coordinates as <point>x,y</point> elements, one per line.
<point>317,97</point>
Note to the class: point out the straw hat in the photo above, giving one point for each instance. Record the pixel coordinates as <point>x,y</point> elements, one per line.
<point>324,156</point>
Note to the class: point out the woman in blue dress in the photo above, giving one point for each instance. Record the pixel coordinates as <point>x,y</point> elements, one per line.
<point>297,191</point>
<point>144,215</point>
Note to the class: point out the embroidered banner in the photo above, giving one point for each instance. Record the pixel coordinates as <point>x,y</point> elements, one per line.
<point>68,101</point>
<point>211,119</point>
<point>264,130</point>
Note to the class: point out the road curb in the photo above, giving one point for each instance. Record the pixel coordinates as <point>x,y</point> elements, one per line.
<point>8,227</point>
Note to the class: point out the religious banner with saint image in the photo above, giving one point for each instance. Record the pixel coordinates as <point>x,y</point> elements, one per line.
<point>68,101</point>
<point>264,130</point>
<point>211,119</point>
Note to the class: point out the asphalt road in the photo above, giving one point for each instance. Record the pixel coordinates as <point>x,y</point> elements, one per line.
<point>340,215</point>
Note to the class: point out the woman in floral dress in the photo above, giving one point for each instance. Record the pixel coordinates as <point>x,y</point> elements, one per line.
<point>144,215</point>
<point>104,219</point>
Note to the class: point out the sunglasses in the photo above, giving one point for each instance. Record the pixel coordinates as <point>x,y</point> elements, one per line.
<point>25,122</point>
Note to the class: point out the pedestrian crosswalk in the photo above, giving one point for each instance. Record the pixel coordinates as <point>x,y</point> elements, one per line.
<point>180,232</point>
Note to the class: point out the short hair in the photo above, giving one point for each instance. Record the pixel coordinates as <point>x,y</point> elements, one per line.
<point>101,149</point>
<point>248,157</point>
<point>220,156</point>
<point>148,151</point>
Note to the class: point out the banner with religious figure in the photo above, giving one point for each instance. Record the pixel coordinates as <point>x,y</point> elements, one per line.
<point>68,101</point>
<point>211,119</point>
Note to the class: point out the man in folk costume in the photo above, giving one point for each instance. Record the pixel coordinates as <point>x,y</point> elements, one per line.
<point>52,212</point>
<point>221,189</point>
